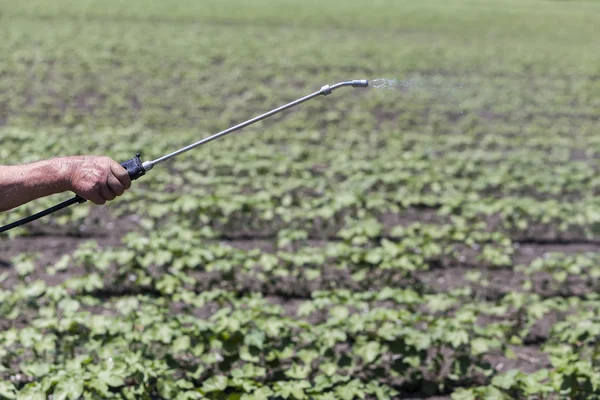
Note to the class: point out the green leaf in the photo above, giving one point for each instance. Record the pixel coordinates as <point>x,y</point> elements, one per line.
<point>463,394</point>
<point>166,388</point>
<point>510,353</point>
<point>458,337</point>
<point>272,328</point>
<point>215,384</point>
<point>8,390</point>
<point>29,336</point>
<point>263,392</point>
<point>306,308</point>
<point>507,379</point>
<point>312,274</point>
<point>350,390</point>
<point>25,267</point>
<point>196,374</point>
<point>255,338</point>
<point>99,386</point>
<point>247,354</point>
<point>93,282</point>
<point>62,264</point>
<point>164,333</point>
<point>360,275</point>
<point>495,394</point>
<point>298,371</point>
<point>339,312</point>
<point>334,336</point>
<point>183,384</point>
<point>69,306</point>
<point>189,395</point>
<point>479,346</point>
<point>32,391</point>
<point>373,257</point>
<point>36,369</point>
<point>181,344</point>
<point>294,389</point>
<point>70,388</point>
<point>307,356</point>
<point>110,378</point>
<point>369,352</point>
<point>248,371</point>
<point>35,289</point>
<point>329,368</point>
<point>127,305</point>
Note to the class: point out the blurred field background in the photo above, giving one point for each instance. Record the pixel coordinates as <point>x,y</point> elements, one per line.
<point>436,239</point>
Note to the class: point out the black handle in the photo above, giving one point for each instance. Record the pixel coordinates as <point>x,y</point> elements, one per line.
<point>134,168</point>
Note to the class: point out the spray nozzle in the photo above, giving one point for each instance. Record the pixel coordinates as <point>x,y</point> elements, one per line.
<point>327,89</point>
<point>360,83</point>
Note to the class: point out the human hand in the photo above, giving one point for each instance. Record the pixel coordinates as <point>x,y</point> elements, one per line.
<point>97,179</point>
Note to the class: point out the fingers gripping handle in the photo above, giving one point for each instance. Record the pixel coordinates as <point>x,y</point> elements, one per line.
<point>134,169</point>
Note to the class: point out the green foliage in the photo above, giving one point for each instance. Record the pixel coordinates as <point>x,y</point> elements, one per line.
<point>356,247</point>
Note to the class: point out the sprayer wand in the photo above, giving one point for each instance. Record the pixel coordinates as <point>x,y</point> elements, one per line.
<point>136,168</point>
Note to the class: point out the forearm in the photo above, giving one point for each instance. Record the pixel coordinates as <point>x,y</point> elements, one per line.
<point>98,179</point>
<point>19,184</point>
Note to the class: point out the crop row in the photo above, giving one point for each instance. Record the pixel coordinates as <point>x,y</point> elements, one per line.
<point>401,339</point>
<point>523,173</point>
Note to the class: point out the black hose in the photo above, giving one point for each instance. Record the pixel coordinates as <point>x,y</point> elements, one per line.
<point>41,214</point>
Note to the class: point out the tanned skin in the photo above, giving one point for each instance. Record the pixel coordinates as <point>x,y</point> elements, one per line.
<point>97,179</point>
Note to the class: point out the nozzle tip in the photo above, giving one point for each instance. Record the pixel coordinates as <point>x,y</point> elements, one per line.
<point>360,83</point>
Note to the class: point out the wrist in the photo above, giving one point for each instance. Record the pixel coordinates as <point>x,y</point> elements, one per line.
<point>63,169</point>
